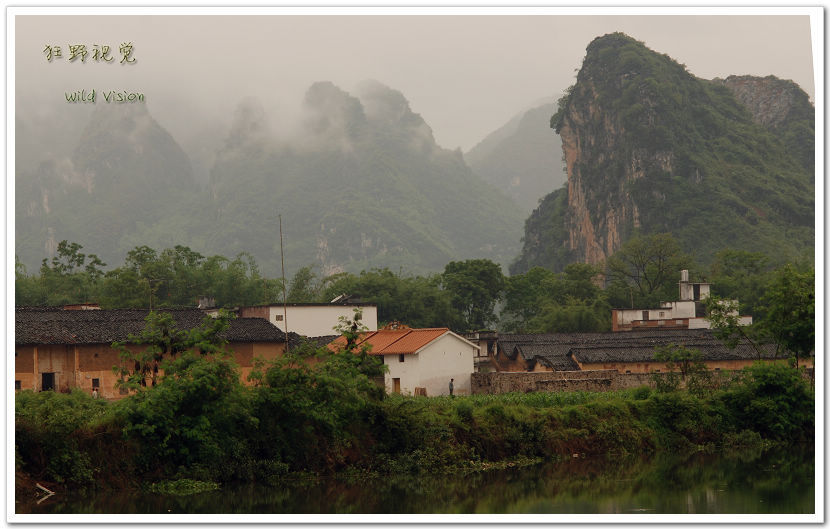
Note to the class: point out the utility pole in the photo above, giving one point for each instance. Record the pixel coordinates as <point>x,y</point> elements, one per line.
<point>284,307</point>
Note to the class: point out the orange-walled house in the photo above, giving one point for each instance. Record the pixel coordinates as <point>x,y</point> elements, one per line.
<point>60,349</point>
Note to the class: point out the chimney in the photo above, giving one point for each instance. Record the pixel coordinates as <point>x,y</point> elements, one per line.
<point>684,276</point>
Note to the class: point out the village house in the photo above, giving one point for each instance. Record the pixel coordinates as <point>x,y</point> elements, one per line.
<point>628,352</point>
<point>419,361</point>
<point>688,313</point>
<point>60,349</point>
<point>313,319</point>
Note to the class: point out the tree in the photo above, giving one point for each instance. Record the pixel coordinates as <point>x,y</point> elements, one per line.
<point>725,323</point>
<point>414,300</point>
<point>679,357</point>
<point>66,280</point>
<point>741,275</point>
<point>646,269</point>
<point>475,286</point>
<point>142,355</point>
<point>790,310</point>
<point>303,287</point>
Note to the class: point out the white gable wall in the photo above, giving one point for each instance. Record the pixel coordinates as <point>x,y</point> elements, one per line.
<point>319,320</point>
<point>446,357</point>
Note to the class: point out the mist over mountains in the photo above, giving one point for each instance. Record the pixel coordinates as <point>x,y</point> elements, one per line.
<point>359,181</point>
<point>523,158</point>
<point>360,184</point>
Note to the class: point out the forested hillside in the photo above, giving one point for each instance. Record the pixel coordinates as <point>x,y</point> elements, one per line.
<point>523,158</point>
<point>651,148</point>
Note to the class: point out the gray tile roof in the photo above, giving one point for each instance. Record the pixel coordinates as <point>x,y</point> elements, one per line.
<point>54,325</point>
<point>560,349</point>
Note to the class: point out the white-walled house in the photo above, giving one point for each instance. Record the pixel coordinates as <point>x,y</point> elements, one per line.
<point>312,319</point>
<point>421,358</point>
<point>688,313</point>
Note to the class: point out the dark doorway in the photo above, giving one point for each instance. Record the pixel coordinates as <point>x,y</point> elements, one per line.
<point>48,382</point>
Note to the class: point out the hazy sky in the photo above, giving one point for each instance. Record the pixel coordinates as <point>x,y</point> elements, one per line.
<point>466,75</point>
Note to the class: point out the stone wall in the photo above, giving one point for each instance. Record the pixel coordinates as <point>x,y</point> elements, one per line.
<point>557,381</point>
<point>605,380</point>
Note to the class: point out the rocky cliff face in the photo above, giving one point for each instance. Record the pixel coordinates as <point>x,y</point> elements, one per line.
<point>650,148</point>
<point>773,102</point>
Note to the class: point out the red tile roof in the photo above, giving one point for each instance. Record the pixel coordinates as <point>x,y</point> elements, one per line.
<point>398,341</point>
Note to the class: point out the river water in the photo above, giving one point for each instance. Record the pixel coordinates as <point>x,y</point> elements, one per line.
<point>744,483</point>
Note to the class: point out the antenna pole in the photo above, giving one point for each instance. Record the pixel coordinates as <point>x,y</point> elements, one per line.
<point>284,307</point>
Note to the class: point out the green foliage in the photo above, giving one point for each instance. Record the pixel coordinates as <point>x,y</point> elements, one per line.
<point>741,275</point>
<point>416,301</point>
<point>674,153</point>
<point>303,288</point>
<point>542,301</point>
<point>143,354</point>
<point>773,400</point>
<point>173,277</point>
<point>49,429</point>
<point>474,287</point>
<point>790,310</point>
<point>644,270</point>
<point>197,416</point>
<point>313,410</point>
<point>545,236</point>
<point>183,487</point>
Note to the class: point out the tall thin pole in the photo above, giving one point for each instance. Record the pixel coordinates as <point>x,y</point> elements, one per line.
<point>284,307</point>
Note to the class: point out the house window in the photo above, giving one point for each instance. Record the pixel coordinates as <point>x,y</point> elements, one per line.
<point>400,358</point>
<point>645,315</point>
<point>627,371</point>
<point>662,314</point>
<point>96,383</point>
<point>656,370</point>
<point>278,317</point>
<point>122,390</point>
<point>17,385</point>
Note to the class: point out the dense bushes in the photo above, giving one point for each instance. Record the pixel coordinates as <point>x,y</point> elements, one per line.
<point>314,411</point>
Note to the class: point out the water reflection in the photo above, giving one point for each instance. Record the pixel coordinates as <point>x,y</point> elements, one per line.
<point>777,482</point>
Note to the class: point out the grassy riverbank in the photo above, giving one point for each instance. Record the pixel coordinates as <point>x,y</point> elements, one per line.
<point>327,416</point>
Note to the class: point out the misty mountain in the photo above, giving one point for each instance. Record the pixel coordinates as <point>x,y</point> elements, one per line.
<point>361,184</point>
<point>124,174</point>
<point>522,158</point>
<point>364,185</point>
<point>650,148</point>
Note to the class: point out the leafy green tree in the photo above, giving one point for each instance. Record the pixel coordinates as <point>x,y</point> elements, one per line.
<point>195,420</point>
<point>542,301</point>
<point>790,310</point>
<point>645,269</point>
<point>681,358</point>
<point>741,275</point>
<point>304,287</point>
<point>28,290</point>
<point>70,278</point>
<point>475,285</point>
<point>143,355</point>
<point>414,300</point>
<point>725,323</point>
<point>523,297</point>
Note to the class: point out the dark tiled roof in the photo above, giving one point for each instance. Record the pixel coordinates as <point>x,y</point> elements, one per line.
<point>712,350</point>
<point>51,325</point>
<point>551,355</point>
<point>632,346</point>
